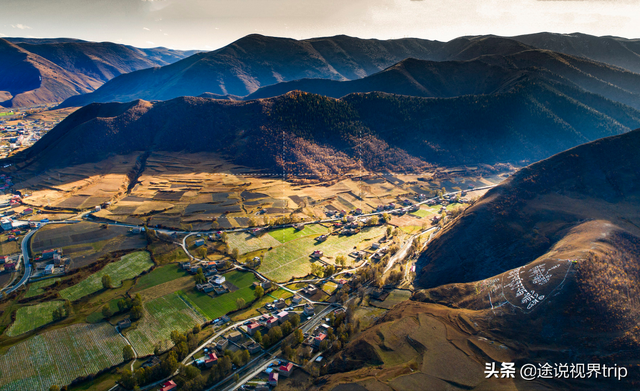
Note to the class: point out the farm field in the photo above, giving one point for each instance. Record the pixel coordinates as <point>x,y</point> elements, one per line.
<point>395,297</point>
<point>214,307</point>
<point>246,243</point>
<point>162,316</point>
<point>60,356</point>
<point>37,288</point>
<point>33,316</point>
<point>292,258</point>
<point>128,267</point>
<point>285,235</point>
<point>159,276</point>
<point>85,242</point>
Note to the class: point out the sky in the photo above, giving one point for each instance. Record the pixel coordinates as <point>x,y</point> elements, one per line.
<point>210,24</point>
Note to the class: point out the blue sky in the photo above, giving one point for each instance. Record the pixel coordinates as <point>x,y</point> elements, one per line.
<point>209,24</point>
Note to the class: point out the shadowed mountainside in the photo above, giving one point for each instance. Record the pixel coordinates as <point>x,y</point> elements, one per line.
<point>313,135</point>
<point>543,269</point>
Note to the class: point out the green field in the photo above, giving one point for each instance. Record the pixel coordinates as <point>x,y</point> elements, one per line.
<point>246,243</point>
<point>292,258</point>
<point>60,356</point>
<point>159,276</point>
<point>97,316</point>
<point>422,212</point>
<point>268,298</point>
<point>163,315</point>
<point>219,305</point>
<point>36,288</point>
<point>31,317</point>
<point>126,268</point>
<point>5,113</point>
<point>285,235</point>
<point>395,297</point>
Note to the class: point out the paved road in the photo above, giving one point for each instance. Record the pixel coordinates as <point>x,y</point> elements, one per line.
<point>26,261</point>
<point>262,362</point>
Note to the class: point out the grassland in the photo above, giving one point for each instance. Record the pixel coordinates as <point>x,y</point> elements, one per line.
<point>60,356</point>
<point>423,212</point>
<point>220,305</point>
<point>285,235</point>
<point>163,315</point>
<point>246,243</point>
<point>292,258</point>
<point>34,316</point>
<point>37,288</point>
<point>128,267</point>
<point>395,297</point>
<point>159,276</point>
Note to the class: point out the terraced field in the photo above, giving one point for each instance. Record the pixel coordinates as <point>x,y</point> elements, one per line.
<point>162,316</point>
<point>126,268</point>
<point>33,316</point>
<point>60,356</point>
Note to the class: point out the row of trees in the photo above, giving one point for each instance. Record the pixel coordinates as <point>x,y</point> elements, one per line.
<point>133,306</point>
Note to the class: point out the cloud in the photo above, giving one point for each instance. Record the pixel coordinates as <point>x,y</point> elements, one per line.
<point>144,28</point>
<point>21,26</point>
<point>150,43</point>
<point>2,35</point>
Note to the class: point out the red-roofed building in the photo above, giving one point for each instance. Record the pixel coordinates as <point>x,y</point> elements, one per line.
<point>318,340</point>
<point>285,370</point>
<point>168,386</point>
<point>210,359</point>
<point>272,321</point>
<point>9,266</point>
<point>273,379</point>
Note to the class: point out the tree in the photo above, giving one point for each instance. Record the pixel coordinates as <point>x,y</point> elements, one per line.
<point>240,302</point>
<point>199,277</point>
<point>374,220</point>
<point>54,388</point>
<point>330,270</point>
<point>258,336</point>
<point>196,329</point>
<point>127,353</point>
<point>341,260</point>
<point>258,292</point>
<point>389,231</point>
<point>236,377</point>
<point>245,356</point>
<point>224,237</point>
<point>124,304</point>
<point>106,282</point>
<point>137,300</point>
<point>191,372</point>
<point>299,336</point>
<point>106,311</point>
<point>275,334</point>
<point>202,251</point>
<point>127,379</point>
<point>235,254</point>
<point>286,328</point>
<point>136,312</point>
<point>295,320</point>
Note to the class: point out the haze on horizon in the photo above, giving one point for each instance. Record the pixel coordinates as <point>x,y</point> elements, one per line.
<point>207,25</point>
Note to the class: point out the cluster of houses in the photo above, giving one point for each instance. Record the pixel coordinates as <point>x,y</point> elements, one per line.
<point>9,263</point>
<point>50,262</point>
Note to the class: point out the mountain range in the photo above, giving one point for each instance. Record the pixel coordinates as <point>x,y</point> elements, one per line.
<point>531,116</point>
<point>38,71</point>
<point>256,61</point>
